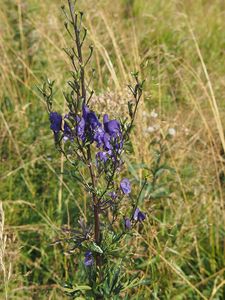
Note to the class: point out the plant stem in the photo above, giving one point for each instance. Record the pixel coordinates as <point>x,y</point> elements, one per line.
<point>80,70</point>
<point>97,231</point>
<point>79,49</point>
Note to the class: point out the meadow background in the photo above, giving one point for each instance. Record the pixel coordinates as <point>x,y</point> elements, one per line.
<point>179,48</point>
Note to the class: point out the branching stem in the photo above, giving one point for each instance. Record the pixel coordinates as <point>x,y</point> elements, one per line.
<point>78,44</point>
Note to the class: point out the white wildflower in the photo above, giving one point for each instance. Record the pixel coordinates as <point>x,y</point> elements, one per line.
<point>172,131</point>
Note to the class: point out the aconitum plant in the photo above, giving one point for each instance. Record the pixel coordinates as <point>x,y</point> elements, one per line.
<point>94,145</point>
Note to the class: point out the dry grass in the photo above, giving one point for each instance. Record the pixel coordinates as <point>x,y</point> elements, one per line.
<point>5,264</point>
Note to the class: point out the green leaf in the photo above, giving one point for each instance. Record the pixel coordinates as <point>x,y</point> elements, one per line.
<point>94,247</point>
<point>77,288</point>
<point>115,279</point>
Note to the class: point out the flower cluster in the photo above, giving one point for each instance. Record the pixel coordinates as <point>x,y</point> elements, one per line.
<point>87,128</point>
<point>108,139</point>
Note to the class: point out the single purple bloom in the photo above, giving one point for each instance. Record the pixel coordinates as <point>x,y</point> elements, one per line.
<point>101,156</point>
<point>135,216</point>
<point>86,111</point>
<point>112,127</point>
<point>90,118</point>
<point>138,215</point>
<point>80,127</point>
<point>125,186</point>
<point>67,133</point>
<point>141,216</point>
<point>106,140</point>
<point>127,223</point>
<point>88,259</point>
<point>99,136</point>
<point>93,120</point>
<point>56,121</point>
<point>113,135</point>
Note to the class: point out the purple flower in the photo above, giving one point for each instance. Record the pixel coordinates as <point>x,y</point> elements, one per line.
<point>80,128</point>
<point>56,121</point>
<point>113,195</point>
<point>90,118</point>
<point>86,111</point>
<point>99,136</point>
<point>113,134</point>
<point>138,215</point>
<point>125,186</point>
<point>127,223</point>
<point>88,259</point>
<point>101,156</point>
<point>112,127</point>
<point>67,130</point>
<point>106,141</point>
<point>93,120</point>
